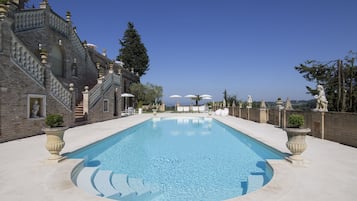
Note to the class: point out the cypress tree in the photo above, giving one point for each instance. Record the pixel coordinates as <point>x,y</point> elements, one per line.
<point>133,52</point>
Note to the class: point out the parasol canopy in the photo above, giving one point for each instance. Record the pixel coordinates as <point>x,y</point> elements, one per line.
<point>175,96</point>
<point>127,95</point>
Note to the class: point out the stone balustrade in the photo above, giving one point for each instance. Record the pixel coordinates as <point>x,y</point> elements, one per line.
<point>94,95</point>
<point>96,92</point>
<point>27,61</point>
<point>29,19</point>
<point>77,44</point>
<point>107,82</point>
<point>58,23</point>
<point>59,92</point>
<point>36,18</point>
<point>116,79</point>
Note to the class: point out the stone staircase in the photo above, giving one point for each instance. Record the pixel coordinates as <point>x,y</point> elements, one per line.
<point>107,184</point>
<point>78,113</point>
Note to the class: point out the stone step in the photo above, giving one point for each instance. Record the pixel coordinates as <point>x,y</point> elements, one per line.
<point>102,182</point>
<point>138,186</point>
<point>120,183</point>
<point>255,182</point>
<point>85,180</point>
<point>115,186</point>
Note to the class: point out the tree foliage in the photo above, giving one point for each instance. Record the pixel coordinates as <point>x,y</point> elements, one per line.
<point>339,78</point>
<point>133,52</point>
<point>146,94</point>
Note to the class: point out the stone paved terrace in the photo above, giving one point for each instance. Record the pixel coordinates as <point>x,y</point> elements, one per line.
<point>328,175</point>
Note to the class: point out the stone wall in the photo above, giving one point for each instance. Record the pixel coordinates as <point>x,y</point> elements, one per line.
<point>98,112</point>
<point>334,126</point>
<point>85,72</point>
<point>16,88</point>
<point>26,80</point>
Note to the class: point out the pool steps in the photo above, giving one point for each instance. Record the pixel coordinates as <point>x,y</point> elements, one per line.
<point>105,183</point>
<point>85,178</point>
<point>106,188</point>
<point>255,182</point>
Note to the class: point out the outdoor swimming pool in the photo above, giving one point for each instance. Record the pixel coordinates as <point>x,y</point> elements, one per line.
<point>184,158</point>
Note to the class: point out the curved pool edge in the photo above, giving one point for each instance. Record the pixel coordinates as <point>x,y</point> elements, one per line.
<point>280,184</point>
<point>60,185</point>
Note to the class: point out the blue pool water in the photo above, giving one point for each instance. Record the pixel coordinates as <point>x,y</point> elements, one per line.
<point>186,158</point>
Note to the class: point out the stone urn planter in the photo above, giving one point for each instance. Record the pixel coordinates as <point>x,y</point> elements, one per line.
<point>296,137</point>
<point>54,133</point>
<point>3,9</point>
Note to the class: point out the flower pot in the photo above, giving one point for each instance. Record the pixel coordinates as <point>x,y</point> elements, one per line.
<point>55,143</point>
<point>296,142</point>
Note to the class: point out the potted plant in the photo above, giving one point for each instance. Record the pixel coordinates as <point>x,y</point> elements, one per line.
<point>296,137</point>
<point>54,133</point>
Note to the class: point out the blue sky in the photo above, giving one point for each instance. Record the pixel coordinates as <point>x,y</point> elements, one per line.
<point>248,47</point>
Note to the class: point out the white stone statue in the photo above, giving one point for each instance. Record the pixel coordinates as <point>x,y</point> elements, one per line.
<point>321,101</point>
<point>35,109</point>
<point>288,105</point>
<point>249,101</point>
<point>263,105</point>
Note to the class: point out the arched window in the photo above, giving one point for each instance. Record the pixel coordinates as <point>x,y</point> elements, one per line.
<point>56,60</point>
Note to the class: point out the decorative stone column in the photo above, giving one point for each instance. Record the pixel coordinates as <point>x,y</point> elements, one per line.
<point>73,99</point>
<point>279,106</point>
<point>111,67</point>
<point>240,110</point>
<point>85,100</point>
<point>263,112</point>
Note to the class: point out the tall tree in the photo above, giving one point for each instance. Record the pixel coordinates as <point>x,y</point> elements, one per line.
<point>133,52</point>
<point>146,94</point>
<point>339,78</point>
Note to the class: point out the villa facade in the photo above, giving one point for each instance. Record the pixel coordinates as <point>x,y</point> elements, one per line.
<point>46,68</point>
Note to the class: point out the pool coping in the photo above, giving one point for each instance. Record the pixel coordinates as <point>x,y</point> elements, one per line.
<point>28,175</point>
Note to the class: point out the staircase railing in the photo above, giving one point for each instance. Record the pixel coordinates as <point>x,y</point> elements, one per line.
<point>27,61</point>
<point>96,92</point>
<point>29,19</point>
<point>37,18</point>
<point>63,95</point>
<point>32,66</point>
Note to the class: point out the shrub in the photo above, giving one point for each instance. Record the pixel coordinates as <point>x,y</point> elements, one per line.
<point>295,121</point>
<point>54,120</point>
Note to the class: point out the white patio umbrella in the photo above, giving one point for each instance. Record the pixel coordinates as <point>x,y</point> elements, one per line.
<point>190,96</point>
<point>205,96</point>
<point>176,96</point>
<point>126,96</point>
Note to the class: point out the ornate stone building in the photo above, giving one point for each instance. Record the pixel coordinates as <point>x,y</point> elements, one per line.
<point>46,68</point>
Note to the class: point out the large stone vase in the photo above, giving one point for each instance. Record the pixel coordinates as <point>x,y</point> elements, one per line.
<point>55,143</point>
<point>296,142</point>
<point>3,11</point>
